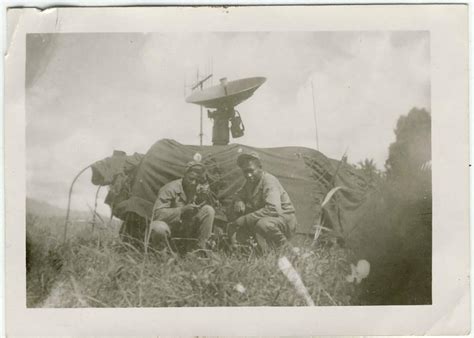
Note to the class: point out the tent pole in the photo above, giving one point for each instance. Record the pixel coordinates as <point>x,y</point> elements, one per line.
<point>69,201</point>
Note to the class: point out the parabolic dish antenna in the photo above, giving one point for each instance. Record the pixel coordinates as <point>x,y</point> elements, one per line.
<point>226,94</point>
<point>223,98</point>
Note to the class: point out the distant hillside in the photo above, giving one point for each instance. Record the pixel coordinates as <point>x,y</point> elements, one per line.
<point>45,209</point>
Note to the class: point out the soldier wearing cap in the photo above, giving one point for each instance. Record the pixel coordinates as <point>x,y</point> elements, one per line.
<point>263,207</point>
<point>178,211</point>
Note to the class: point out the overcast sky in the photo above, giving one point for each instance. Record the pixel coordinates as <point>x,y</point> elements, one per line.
<point>88,94</point>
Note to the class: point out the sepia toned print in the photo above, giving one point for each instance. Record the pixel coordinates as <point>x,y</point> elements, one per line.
<point>248,170</point>
<point>210,158</point>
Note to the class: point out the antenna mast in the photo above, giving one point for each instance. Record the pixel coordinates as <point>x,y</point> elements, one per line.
<point>315,119</point>
<point>199,84</point>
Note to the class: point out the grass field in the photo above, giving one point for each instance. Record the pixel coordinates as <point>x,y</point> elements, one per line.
<point>94,268</point>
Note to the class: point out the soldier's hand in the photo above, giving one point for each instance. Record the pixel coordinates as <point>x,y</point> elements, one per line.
<point>189,209</point>
<point>203,189</point>
<point>239,207</point>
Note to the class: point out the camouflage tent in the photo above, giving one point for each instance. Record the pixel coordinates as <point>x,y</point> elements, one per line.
<point>306,174</point>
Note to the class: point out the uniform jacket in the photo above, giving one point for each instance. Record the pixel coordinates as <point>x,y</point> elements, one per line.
<point>267,198</point>
<point>171,199</point>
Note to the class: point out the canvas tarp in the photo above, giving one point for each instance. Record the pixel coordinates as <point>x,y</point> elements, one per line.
<point>105,172</point>
<point>306,174</point>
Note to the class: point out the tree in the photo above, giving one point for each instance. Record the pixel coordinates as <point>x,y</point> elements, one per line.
<point>399,241</point>
<point>369,169</point>
<point>412,148</point>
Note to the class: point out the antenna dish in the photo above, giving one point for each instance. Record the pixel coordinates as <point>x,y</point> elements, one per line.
<point>226,94</point>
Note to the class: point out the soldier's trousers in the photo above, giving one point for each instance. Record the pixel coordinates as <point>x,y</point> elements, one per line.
<point>199,226</point>
<point>269,231</point>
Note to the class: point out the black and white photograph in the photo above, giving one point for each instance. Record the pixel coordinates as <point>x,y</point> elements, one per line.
<point>256,169</point>
<point>228,168</point>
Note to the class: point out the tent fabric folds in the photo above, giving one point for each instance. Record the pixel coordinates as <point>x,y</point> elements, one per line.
<point>306,174</point>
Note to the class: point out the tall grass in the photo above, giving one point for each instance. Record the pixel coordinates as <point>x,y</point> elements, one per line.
<point>96,269</point>
<point>43,257</point>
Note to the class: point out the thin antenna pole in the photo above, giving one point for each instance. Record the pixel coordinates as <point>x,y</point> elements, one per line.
<point>200,127</point>
<point>315,118</point>
<point>212,71</point>
<point>200,84</point>
<point>200,111</point>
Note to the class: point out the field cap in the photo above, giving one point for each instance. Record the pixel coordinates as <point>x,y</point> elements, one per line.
<point>245,156</point>
<point>198,166</point>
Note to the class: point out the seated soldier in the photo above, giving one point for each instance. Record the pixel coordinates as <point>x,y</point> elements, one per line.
<point>180,212</point>
<point>263,207</point>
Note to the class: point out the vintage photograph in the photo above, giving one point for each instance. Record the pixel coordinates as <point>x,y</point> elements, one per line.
<point>224,169</point>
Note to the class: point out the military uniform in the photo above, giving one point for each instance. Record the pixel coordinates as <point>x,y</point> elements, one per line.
<point>167,214</point>
<point>270,215</point>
